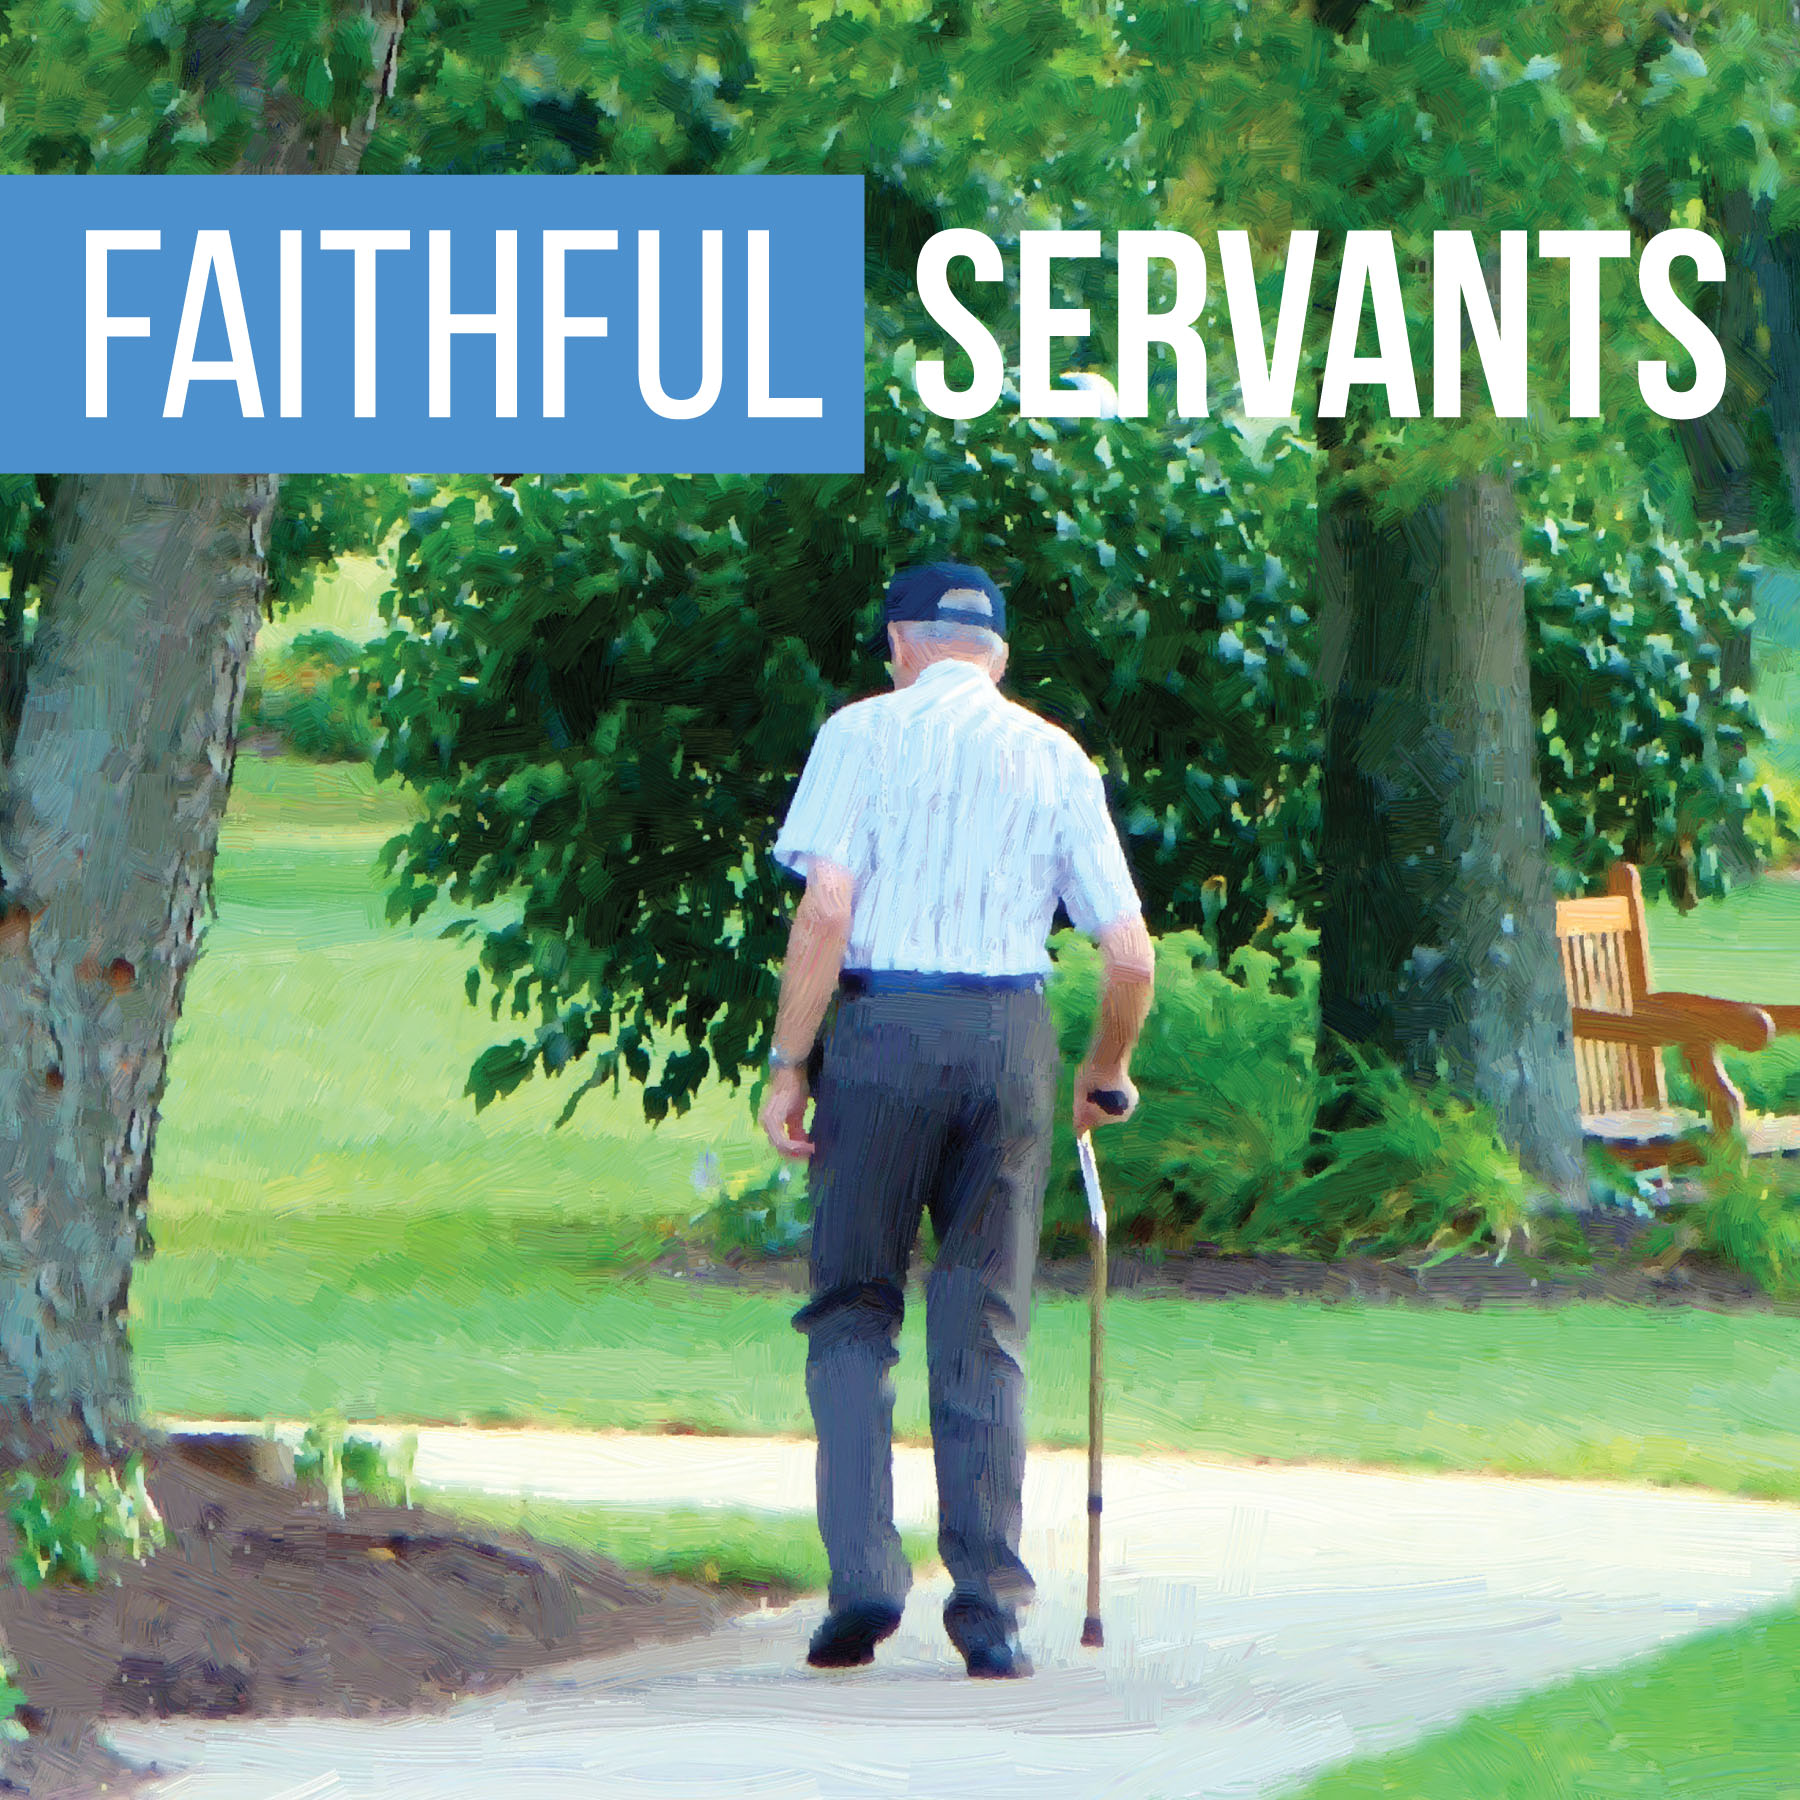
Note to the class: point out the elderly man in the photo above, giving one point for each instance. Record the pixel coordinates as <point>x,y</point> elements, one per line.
<point>936,828</point>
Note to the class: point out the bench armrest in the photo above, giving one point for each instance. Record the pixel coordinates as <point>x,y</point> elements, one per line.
<point>1702,1027</point>
<point>1787,1018</point>
<point>1683,1019</point>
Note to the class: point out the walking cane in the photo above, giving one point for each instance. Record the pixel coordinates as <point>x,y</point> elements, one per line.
<point>1114,1101</point>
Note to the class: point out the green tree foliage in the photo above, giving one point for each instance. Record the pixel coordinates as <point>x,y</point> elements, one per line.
<point>1495,117</point>
<point>128,87</point>
<point>605,687</point>
<point>305,696</point>
<point>564,86</point>
<point>606,691</point>
<point>1715,99</point>
<point>1644,748</point>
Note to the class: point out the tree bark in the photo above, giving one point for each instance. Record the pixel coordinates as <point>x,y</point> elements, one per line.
<point>1754,316</point>
<point>1779,279</point>
<point>109,817</point>
<point>1437,941</point>
<point>117,785</point>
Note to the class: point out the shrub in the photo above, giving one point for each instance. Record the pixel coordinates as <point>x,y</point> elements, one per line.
<point>771,1217</point>
<point>306,694</point>
<point>1224,1149</point>
<point>13,1700</point>
<point>69,1524</point>
<point>1228,1096</point>
<point>1749,1219</point>
<point>344,1466</point>
<point>1769,1079</point>
<point>1427,1171</point>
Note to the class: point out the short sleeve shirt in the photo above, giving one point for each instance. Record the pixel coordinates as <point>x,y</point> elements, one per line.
<point>963,818</point>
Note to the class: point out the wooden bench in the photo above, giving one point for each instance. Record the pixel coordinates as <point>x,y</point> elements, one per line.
<point>1622,1027</point>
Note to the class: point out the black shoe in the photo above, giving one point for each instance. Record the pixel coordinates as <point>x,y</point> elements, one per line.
<point>848,1637</point>
<point>1002,1661</point>
<point>987,1637</point>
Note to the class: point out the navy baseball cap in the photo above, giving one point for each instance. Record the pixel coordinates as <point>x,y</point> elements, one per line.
<point>917,595</point>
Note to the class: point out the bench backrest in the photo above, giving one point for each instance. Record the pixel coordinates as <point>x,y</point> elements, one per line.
<point>1605,946</point>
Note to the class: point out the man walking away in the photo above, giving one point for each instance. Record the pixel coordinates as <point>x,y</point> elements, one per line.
<point>936,828</point>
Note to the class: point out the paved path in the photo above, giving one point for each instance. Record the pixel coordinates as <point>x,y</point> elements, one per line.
<point>1261,1623</point>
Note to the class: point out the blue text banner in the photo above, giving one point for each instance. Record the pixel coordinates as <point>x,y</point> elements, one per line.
<point>391,324</point>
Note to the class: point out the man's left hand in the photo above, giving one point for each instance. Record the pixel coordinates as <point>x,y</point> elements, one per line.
<point>784,1112</point>
<point>1091,1076</point>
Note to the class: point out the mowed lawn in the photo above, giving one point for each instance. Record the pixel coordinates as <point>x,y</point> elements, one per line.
<point>715,1546</point>
<point>1710,1720</point>
<point>338,1229</point>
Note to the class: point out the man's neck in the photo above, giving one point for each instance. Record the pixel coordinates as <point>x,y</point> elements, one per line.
<point>937,669</point>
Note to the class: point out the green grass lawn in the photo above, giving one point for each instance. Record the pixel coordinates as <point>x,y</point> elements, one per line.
<point>322,1054</point>
<point>1744,947</point>
<point>715,1546</point>
<point>1712,1720</point>
<point>338,1229</point>
<point>309,1320</point>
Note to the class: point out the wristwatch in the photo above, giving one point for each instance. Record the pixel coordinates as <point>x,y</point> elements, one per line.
<point>779,1059</point>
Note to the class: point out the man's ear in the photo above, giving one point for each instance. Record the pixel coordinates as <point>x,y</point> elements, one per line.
<point>1000,657</point>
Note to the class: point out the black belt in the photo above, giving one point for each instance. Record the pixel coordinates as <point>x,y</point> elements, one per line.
<point>930,981</point>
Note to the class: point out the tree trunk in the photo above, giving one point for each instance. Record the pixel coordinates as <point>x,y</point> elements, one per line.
<point>1755,315</point>
<point>117,785</point>
<point>110,803</point>
<point>1718,446</point>
<point>1437,940</point>
<point>1779,279</point>
<point>108,822</point>
<point>12,664</point>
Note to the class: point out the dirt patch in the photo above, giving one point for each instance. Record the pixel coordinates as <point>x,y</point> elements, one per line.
<point>260,1604</point>
<point>1618,1270</point>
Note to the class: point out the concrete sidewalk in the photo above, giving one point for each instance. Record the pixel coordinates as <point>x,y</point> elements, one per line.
<point>1261,1624</point>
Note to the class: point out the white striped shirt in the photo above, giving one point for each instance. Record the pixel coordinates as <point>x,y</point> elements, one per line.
<point>963,819</point>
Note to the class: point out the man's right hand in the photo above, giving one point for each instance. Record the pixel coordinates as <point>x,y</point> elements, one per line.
<point>784,1112</point>
<point>1091,1079</point>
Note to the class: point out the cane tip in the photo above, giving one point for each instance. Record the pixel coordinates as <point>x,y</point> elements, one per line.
<point>1091,1637</point>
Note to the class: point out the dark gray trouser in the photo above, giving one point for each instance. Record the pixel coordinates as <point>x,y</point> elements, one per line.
<point>941,1101</point>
